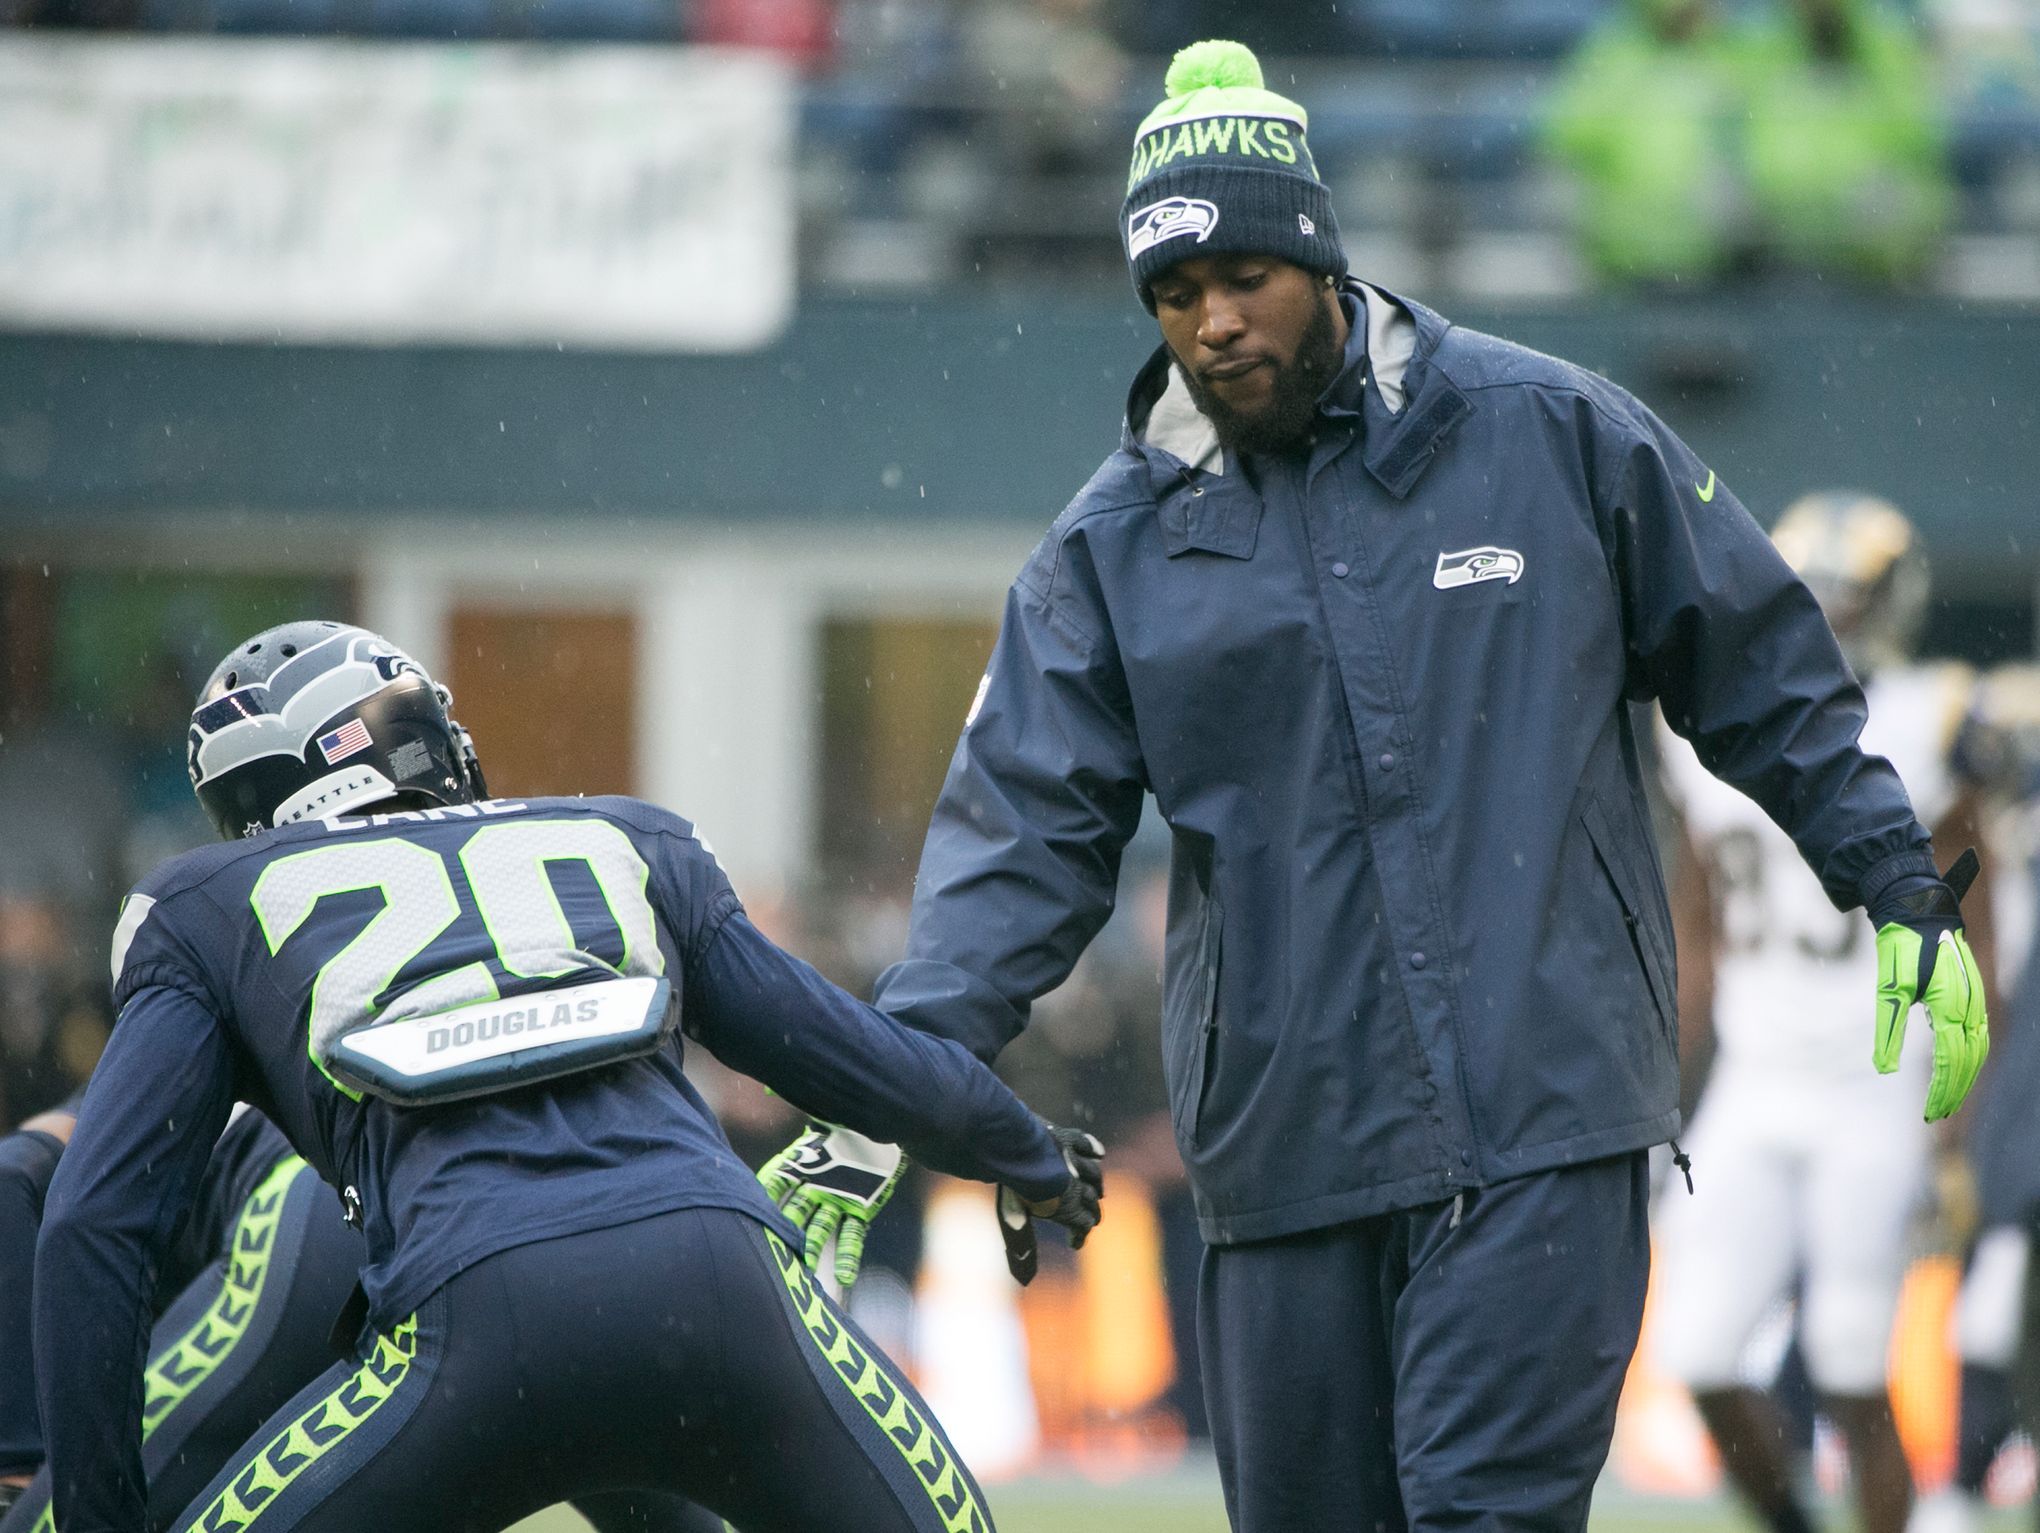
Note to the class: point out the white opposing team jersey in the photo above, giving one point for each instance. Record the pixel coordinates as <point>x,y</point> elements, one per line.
<point>1796,979</point>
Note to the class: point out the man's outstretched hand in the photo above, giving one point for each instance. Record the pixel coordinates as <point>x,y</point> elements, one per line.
<point>1076,1208</point>
<point>831,1181</point>
<point>1923,957</point>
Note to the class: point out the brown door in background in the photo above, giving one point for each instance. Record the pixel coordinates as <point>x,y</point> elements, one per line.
<point>894,695</point>
<point>550,697</point>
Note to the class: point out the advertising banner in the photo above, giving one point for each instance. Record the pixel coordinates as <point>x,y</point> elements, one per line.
<point>389,193</point>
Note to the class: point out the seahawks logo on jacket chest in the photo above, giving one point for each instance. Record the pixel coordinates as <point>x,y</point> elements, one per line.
<point>1471,565</point>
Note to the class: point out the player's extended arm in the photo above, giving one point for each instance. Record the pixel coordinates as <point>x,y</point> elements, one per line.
<point>768,1014</point>
<point>1737,650</point>
<point>158,1100</point>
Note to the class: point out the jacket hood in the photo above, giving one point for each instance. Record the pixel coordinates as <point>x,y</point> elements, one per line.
<point>1389,344</point>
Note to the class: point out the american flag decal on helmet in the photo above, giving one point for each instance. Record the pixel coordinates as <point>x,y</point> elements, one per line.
<point>350,739</point>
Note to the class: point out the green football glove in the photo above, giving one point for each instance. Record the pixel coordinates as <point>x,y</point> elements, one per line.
<point>831,1181</point>
<point>1924,958</point>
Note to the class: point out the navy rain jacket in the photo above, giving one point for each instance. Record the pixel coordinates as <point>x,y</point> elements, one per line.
<point>1417,935</point>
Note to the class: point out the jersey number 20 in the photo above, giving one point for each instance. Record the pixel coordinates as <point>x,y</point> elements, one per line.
<point>505,869</point>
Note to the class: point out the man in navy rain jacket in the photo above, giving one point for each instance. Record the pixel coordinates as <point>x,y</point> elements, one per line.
<point>1363,600</point>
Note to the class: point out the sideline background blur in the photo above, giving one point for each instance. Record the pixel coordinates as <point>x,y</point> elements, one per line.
<point>682,381</point>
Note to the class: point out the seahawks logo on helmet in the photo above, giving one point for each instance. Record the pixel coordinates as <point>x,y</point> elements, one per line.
<point>1169,219</point>
<point>315,719</point>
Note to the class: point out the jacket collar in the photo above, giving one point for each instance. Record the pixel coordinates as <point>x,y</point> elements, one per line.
<point>1406,406</point>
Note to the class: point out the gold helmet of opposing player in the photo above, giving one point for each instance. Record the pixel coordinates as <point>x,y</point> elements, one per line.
<point>1863,562</point>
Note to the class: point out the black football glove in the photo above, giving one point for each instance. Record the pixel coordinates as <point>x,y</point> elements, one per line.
<point>1075,1208</point>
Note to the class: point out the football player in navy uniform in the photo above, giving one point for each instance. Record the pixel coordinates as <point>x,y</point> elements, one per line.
<point>247,1300</point>
<point>460,1011</point>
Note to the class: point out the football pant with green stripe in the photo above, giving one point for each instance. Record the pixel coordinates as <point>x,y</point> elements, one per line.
<point>690,1353</point>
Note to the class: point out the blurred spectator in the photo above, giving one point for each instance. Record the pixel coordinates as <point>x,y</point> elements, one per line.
<point>95,14</point>
<point>1640,116</point>
<point>801,30</point>
<point>1057,74</point>
<point>61,813</point>
<point>1989,51</point>
<point>1843,146</point>
<point>1809,136</point>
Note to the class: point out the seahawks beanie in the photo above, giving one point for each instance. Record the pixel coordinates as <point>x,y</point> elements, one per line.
<point>1221,166</point>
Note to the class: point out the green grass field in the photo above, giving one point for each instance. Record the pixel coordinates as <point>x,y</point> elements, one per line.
<point>1188,1502</point>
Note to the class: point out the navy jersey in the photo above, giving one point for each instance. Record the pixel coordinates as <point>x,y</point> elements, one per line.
<point>229,960</point>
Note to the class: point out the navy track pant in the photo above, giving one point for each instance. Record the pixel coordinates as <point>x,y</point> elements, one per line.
<point>688,1352</point>
<point>1454,1366</point>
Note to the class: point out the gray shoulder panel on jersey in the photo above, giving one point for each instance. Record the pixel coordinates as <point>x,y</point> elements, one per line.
<point>133,912</point>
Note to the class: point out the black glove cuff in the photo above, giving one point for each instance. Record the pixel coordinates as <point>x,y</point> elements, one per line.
<point>1925,904</point>
<point>1871,886</point>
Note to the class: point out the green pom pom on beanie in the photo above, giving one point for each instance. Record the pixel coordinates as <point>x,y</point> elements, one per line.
<point>1213,62</point>
<point>1219,76</point>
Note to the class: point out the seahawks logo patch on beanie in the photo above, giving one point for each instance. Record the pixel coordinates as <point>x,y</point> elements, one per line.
<point>1171,218</point>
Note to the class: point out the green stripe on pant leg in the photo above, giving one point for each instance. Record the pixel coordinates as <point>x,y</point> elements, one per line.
<point>191,1359</point>
<point>884,1399</point>
<point>315,1433</point>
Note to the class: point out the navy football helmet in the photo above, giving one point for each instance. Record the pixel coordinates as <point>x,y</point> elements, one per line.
<point>314,719</point>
